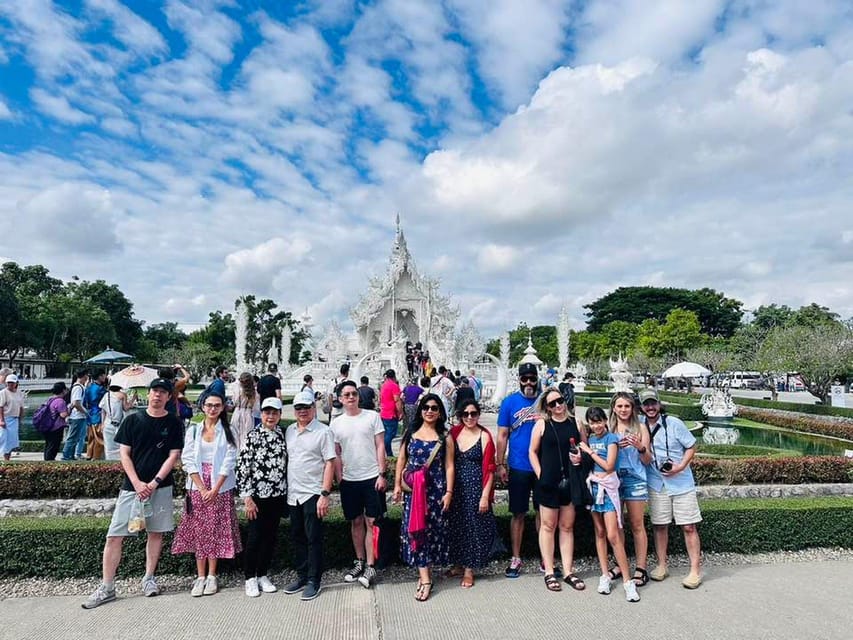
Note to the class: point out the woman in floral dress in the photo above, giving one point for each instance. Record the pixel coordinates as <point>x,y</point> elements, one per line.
<point>424,531</point>
<point>208,525</point>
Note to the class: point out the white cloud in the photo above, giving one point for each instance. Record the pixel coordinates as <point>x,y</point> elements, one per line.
<point>493,258</point>
<point>248,266</point>
<point>58,107</point>
<point>134,32</point>
<point>5,112</point>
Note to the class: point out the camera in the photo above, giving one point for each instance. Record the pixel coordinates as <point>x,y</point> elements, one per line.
<point>564,484</point>
<point>666,466</point>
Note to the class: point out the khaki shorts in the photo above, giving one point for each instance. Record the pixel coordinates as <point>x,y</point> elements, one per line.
<point>161,520</point>
<point>684,508</point>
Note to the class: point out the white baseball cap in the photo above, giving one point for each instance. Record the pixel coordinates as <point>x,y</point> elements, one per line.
<point>11,378</point>
<point>271,403</point>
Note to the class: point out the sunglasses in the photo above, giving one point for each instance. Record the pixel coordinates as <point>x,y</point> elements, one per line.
<point>430,407</point>
<point>529,378</point>
<point>469,414</point>
<point>302,407</point>
<point>351,394</point>
<point>556,402</point>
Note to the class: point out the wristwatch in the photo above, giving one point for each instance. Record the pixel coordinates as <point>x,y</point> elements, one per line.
<point>158,480</point>
<point>325,493</point>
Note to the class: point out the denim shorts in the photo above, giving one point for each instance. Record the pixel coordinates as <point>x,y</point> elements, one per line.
<point>604,507</point>
<point>632,488</point>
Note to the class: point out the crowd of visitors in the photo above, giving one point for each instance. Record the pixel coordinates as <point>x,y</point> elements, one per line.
<point>614,464</point>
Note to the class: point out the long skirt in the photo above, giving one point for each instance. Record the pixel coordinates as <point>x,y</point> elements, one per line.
<point>209,529</point>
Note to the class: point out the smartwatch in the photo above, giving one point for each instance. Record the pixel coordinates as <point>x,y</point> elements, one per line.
<point>325,493</point>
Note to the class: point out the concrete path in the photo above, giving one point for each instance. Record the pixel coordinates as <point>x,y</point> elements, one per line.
<point>787,600</point>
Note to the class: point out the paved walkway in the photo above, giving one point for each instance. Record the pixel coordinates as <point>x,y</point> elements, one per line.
<point>787,600</point>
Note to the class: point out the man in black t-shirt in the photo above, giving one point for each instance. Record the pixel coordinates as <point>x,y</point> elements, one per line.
<point>150,445</point>
<point>366,395</point>
<point>269,386</point>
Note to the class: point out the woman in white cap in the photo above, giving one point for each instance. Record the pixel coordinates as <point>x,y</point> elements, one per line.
<point>209,525</point>
<point>262,480</point>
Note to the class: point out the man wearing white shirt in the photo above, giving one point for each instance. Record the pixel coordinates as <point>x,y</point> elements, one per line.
<point>359,468</point>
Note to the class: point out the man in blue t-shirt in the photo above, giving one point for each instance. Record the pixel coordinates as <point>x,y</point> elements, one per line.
<point>515,425</point>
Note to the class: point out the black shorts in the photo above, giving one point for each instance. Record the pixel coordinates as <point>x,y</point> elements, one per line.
<point>551,497</point>
<point>519,488</point>
<point>360,497</point>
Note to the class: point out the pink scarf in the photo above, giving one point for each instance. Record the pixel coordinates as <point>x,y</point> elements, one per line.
<point>418,509</point>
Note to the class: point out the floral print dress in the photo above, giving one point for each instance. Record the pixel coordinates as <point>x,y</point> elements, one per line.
<point>436,550</point>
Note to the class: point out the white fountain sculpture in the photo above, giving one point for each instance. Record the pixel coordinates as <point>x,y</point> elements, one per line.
<point>284,345</point>
<point>720,435</point>
<point>241,332</point>
<point>563,341</point>
<point>620,375</point>
<point>718,404</point>
<point>504,342</point>
<point>273,353</point>
<point>580,371</point>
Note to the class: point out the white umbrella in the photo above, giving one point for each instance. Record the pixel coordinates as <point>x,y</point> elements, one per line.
<point>686,370</point>
<point>134,376</point>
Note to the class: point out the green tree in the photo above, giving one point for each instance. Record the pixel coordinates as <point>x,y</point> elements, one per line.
<point>718,315</point>
<point>820,354</point>
<point>814,315</point>
<point>767,317</point>
<point>165,335</point>
<point>31,287</point>
<point>218,333</point>
<point>620,337</point>
<point>128,330</point>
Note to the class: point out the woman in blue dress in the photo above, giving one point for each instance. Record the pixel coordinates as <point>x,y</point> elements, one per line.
<point>472,521</point>
<point>423,530</point>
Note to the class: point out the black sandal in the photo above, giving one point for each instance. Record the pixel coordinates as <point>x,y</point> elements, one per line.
<point>574,582</point>
<point>614,574</point>
<point>640,580</point>
<point>552,583</point>
<point>423,592</point>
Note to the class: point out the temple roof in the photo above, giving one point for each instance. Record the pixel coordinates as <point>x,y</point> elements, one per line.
<point>379,288</point>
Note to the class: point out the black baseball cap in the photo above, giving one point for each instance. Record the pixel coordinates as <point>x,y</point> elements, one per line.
<point>161,383</point>
<point>528,369</point>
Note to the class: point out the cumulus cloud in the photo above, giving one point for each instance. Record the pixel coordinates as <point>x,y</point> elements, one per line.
<point>252,266</point>
<point>57,106</point>
<point>5,112</point>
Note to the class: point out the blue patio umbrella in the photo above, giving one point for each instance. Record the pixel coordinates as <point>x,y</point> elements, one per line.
<point>109,355</point>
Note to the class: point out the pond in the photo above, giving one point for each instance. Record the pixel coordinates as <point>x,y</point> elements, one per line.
<point>754,434</point>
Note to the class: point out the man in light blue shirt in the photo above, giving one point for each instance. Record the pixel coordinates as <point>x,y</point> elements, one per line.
<point>672,490</point>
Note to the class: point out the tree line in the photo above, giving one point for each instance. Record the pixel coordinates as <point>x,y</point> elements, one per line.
<point>72,321</point>
<point>655,327</point>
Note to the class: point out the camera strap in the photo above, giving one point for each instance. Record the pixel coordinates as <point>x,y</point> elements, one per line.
<point>652,436</point>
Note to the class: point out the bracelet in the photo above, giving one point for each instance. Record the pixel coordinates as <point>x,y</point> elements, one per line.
<point>449,493</point>
<point>501,464</point>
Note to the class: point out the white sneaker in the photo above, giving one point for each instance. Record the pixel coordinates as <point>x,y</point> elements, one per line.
<point>198,588</point>
<point>211,585</point>
<point>252,588</point>
<point>266,585</point>
<point>631,594</point>
<point>604,585</point>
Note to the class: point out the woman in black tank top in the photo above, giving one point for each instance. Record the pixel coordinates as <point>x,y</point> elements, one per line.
<point>559,486</point>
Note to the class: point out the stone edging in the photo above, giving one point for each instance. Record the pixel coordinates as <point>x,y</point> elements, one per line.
<point>104,506</point>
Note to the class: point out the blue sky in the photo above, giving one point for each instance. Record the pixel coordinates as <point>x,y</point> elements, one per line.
<point>539,153</point>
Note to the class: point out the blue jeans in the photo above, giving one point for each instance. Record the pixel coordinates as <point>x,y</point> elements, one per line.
<point>76,434</point>
<point>391,425</point>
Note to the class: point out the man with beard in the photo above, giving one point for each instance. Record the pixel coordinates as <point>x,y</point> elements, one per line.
<point>515,424</point>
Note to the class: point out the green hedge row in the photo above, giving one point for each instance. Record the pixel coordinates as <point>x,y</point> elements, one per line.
<point>71,546</point>
<point>799,422</point>
<point>815,409</point>
<point>31,480</point>
<point>741,451</point>
<point>686,412</point>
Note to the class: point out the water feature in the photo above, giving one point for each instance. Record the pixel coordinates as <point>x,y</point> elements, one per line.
<point>747,433</point>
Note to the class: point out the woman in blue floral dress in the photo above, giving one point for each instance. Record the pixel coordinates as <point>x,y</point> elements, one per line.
<point>427,546</point>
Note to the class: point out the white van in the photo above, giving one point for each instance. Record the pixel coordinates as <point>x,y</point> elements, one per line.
<point>745,380</point>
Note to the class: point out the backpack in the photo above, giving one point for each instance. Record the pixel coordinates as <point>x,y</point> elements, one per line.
<point>45,419</point>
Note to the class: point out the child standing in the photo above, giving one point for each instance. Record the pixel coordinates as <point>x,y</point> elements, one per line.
<point>603,449</point>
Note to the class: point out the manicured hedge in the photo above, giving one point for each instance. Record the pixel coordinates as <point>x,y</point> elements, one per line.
<point>799,422</point>
<point>816,409</point>
<point>71,546</point>
<point>766,470</point>
<point>741,451</point>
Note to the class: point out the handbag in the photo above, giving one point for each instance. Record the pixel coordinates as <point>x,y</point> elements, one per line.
<point>408,474</point>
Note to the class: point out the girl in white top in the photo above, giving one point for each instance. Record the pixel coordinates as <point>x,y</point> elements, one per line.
<point>208,525</point>
<point>114,405</point>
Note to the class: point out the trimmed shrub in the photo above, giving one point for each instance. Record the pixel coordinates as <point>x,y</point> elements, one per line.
<point>766,470</point>
<point>815,409</point>
<point>71,546</point>
<point>800,422</point>
<point>741,450</point>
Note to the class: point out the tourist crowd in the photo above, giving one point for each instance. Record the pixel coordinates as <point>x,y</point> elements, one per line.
<point>614,464</point>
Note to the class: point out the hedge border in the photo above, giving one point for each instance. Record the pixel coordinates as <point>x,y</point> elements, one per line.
<point>71,547</point>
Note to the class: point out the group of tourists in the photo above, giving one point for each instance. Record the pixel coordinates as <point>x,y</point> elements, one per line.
<point>444,477</point>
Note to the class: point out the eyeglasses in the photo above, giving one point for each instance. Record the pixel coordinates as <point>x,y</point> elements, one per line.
<point>351,394</point>
<point>207,405</point>
<point>529,378</point>
<point>469,414</point>
<point>430,407</point>
<point>302,407</point>
<point>556,402</point>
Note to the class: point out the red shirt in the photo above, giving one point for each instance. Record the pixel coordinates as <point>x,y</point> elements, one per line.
<point>387,404</point>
